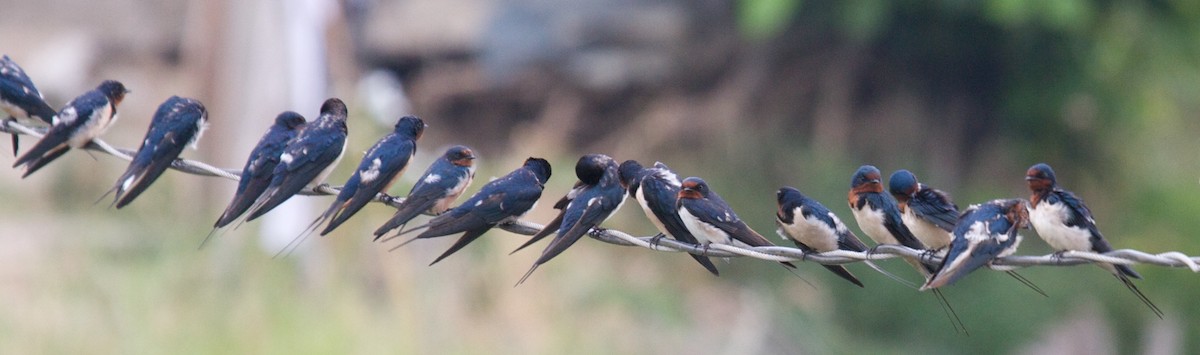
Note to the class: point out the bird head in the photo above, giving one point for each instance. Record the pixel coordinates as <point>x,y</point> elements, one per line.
<point>1040,178</point>
<point>866,179</point>
<point>693,188</point>
<point>903,185</point>
<point>291,120</point>
<point>410,125</point>
<point>460,155</point>
<point>540,168</point>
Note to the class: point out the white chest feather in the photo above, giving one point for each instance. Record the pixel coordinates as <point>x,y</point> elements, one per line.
<point>641,199</point>
<point>452,194</point>
<point>871,223</point>
<point>928,233</point>
<point>1049,220</point>
<point>813,232</point>
<point>93,127</point>
<point>705,233</point>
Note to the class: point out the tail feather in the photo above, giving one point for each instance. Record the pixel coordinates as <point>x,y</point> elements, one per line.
<point>35,163</point>
<point>844,273</point>
<point>1141,296</point>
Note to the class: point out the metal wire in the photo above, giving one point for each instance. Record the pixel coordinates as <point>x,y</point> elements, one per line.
<point>774,253</point>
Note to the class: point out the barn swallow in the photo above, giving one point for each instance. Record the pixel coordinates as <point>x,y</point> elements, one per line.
<point>379,168</point>
<point>1066,223</point>
<point>178,123</point>
<point>656,190</point>
<point>502,200</point>
<point>983,232</point>
<point>711,220</point>
<point>439,187</point>
<point>597,197</point>
<point>256,175</point>
<point>84,118</point>
<point>20,99</point>
<point>308,159</point>
<point>815,229</point>
<point>878,215</point>
<point>927,212</point>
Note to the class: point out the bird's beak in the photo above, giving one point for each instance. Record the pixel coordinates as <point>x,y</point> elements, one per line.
<point>1030,178</point>
<point>470,157</point>
<point>875,181</point>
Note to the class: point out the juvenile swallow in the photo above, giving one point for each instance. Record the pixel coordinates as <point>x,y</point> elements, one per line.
<point>256,175</point>
<point>308,159</point>
<point>179,123</point>
<point>1066,223</point>
<point>439,187</point>
<point>20,99</point>
<point>379,168</point>
<point>983,232</point>
<point>711,220</point>
<point>597,197</point>
<point>502,200</point>
<point>878,215</point>
<point>814,228</point>
<point>927,212</point>
<point>84,118</point>
<point>656,190</point>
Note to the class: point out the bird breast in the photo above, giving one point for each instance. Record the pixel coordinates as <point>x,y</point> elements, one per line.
<point>1049,220</point>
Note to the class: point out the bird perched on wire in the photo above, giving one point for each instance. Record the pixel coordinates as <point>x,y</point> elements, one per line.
<point>1066,224</point>
<point>927,212</point>
<point>21,99</point>
<point>308,159</point>
<point>436,190</point>
<point>983,232</point>
<point>597,195</point>
<point>81,120</point>
<point>878,215</point>
<point>380,167</point>
<point>656,190</point>
<point>502,200</point>
<point>711,220</point>
<point>256,175</point>
<point>814,228</point>
<point>178,123</point>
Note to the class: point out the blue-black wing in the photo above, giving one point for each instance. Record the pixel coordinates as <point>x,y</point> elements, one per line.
<point>423,196</point>
<point>310,156</point>
<point>174,126</point>
<point>934,206</point>
<point>586,211</point>
<point>393,158</point>
<point>1081,217</point>
<point>256,175</point>
<point>54,144</point>
<point>660,195</point>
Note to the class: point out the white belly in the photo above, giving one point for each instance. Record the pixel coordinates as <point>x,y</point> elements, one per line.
<point>641,199</point>
<point>94,127</point>
<point>811,232</point>
<point>1048,221</point>
<point>705,233</point>
<point>328,169</point>
<point>15,111</point>
<point>871,223</point>
<point>928,233</point>
<point>452,194</point>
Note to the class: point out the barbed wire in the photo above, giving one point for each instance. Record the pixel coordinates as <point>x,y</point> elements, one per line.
<point>773,253</point>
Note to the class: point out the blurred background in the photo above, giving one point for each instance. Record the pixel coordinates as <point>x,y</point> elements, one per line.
<point>750,94</point>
